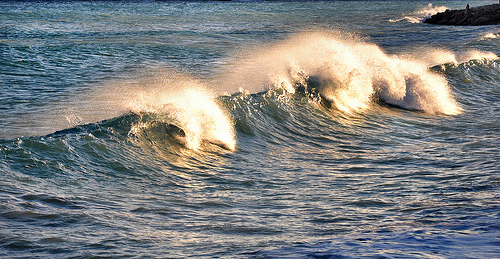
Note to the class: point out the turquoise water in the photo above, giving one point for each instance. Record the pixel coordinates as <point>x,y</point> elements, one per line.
<point>336,129</point>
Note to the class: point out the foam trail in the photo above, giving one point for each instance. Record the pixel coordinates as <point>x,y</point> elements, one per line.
<point>434,57</point>
<point>347,72</point>
<point>473,54</point>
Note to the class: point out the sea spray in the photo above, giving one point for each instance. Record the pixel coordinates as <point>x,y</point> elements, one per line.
<point>346,71</point>
<point>185,105</point>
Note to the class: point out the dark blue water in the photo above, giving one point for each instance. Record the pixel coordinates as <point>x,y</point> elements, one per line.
<point>338,129</point>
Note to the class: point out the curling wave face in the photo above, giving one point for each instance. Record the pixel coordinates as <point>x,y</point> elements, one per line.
<point>187,110</point>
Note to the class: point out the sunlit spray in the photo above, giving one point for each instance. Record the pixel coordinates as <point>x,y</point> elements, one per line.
<point>186,102</point>
<point>347,71</point>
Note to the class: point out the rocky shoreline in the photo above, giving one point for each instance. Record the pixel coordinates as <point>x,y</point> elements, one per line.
<point>482,15</point>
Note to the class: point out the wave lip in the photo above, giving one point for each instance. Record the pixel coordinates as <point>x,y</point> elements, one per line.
<point>189,111</point>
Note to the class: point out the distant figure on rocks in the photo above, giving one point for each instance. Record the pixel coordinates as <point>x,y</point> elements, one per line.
<point>481,15</point>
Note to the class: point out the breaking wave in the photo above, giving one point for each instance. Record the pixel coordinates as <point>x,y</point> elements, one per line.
<point>175,104</point>
<point>343,74</point>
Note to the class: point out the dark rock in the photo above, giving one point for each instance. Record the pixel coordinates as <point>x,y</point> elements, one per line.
<point>482,15</point>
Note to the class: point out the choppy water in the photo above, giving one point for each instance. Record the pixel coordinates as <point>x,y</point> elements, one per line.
<point>343,129</point>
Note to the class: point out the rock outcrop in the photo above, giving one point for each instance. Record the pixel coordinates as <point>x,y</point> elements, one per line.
<point>482,15</point>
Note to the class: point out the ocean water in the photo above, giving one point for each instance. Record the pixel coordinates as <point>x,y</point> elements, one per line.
<point>330,129</point>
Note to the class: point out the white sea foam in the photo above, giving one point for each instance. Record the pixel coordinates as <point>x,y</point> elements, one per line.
<point>349,72</point>
<point>491,35</point>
